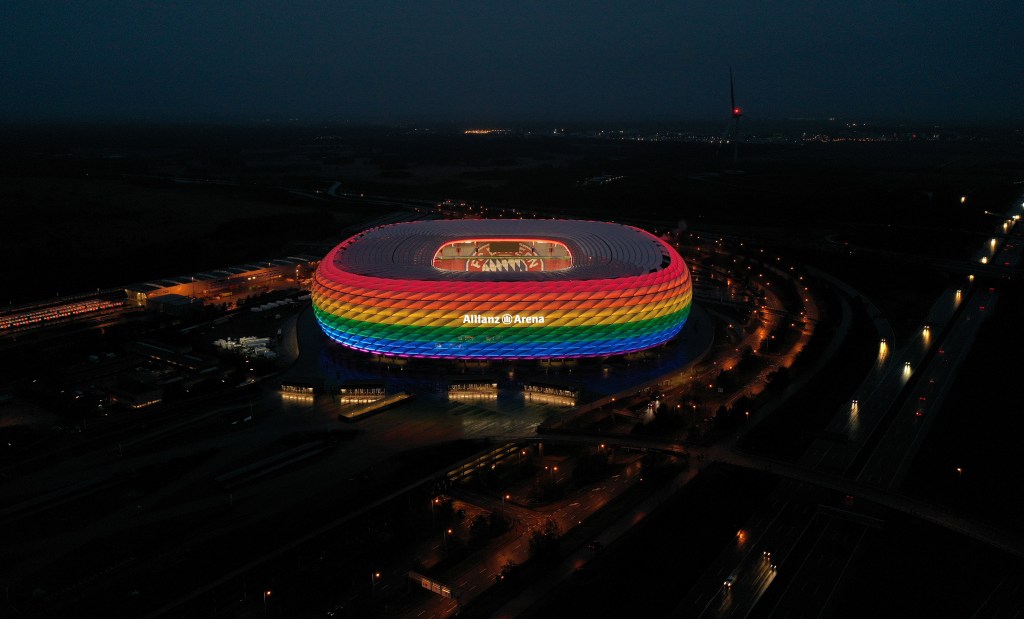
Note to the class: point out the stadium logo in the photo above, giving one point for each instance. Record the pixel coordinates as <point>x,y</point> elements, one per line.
<point>504,319</point>
<point>498,257</point>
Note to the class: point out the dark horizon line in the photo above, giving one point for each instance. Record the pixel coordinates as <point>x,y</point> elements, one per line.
<point>509,123</point>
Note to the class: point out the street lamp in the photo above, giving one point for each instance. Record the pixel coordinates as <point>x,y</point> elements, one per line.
<point>266,594</point>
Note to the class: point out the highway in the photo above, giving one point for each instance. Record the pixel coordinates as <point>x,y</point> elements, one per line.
<point>954,322</point>
<point>884,425</point>
<point>1009,542</point>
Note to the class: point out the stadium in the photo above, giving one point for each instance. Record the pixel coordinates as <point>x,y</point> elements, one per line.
<point>502,289</point>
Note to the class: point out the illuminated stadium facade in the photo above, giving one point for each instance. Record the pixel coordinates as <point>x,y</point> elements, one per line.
<point>502,289</point>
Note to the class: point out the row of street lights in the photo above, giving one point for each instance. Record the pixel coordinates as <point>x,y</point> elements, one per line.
<point>553,470</point>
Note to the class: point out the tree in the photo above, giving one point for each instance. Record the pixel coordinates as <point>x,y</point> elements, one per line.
<point>498,523</point>
<point>544,540</point>
<point>778,379</point>
<point>651,461</point>
<point>726,381</point>
<point>479,530</point>
<point>743,404</point>
<point>508,572</point>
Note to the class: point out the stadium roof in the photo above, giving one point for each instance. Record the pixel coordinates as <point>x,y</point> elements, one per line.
<point>599,250</point>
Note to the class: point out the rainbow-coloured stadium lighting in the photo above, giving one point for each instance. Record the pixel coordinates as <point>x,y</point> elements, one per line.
<point>502,289</point>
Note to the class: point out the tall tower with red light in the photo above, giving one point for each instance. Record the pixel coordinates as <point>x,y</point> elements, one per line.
<point>736,114</point>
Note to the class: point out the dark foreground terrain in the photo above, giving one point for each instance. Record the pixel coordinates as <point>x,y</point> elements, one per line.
<point>90,208</point>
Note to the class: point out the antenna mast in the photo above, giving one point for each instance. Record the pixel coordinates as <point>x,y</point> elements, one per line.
<point>736,113</point>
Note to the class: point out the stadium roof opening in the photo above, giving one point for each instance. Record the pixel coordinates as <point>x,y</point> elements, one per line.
<point>493,255</point>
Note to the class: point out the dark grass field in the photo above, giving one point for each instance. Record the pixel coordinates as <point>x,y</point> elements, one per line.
<point>96,206</point>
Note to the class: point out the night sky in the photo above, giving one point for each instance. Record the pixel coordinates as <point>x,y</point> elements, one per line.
<point>486,61</point>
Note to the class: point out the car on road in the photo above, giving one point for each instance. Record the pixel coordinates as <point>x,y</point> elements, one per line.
<point>728,581</point>
<point>595,545</point>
